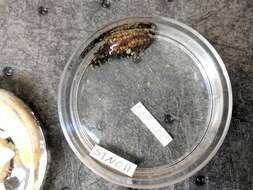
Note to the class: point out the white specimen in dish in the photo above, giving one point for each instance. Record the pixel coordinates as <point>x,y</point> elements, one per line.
<point>3,134</point>
<point>8,155</point>
<point>2,187</point>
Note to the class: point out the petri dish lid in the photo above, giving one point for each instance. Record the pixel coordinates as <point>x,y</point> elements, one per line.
<point>168,67</point>
<point>23,145</point>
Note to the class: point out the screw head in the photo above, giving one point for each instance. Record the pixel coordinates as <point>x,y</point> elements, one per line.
<point>8,71</point>
<point>42,10</point>
<point>105,3</point>
<point>200,180</point>
<point>168,118</point>
<point>65,188</point>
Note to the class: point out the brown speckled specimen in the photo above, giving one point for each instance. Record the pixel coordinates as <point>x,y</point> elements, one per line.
<point>124,41</point>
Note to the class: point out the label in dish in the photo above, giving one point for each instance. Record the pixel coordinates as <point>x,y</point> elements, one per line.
<point>112,160</point>
<point>152,124</point>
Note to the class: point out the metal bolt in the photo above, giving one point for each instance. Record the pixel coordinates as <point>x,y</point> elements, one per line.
<point>200,180</point>
<point>168,118</point>
<point>105,3</point>
<point>42,10</point>
<point>8,71</point>
<point>65,188</point>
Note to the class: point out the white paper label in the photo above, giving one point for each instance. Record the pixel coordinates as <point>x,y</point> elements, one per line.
<point>112,160</point>
<point>151,123</point>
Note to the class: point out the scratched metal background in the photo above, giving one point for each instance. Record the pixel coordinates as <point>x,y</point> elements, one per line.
<point>38,47</point>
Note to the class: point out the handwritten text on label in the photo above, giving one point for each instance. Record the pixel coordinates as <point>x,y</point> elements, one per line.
<point>151,123</point>
<point>112,160</point>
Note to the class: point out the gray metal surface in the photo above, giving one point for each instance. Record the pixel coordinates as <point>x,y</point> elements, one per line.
<point>38,48</point>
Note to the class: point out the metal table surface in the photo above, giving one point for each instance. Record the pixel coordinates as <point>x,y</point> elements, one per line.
<point>37,46</point>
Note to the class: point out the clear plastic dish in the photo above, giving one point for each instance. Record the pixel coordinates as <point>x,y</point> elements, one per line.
<point>174,72</point>
<point>20,136</point>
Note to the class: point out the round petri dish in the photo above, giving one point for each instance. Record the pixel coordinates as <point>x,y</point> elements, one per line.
<point>168,67</point>
<point>23,145</point>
